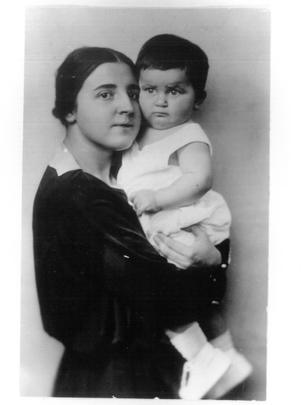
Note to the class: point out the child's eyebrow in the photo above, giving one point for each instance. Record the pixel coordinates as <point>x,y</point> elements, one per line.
<point>176,83</point>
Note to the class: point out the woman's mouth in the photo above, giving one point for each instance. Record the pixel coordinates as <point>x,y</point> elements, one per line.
<point>160,114</point>
<point>123,124</point>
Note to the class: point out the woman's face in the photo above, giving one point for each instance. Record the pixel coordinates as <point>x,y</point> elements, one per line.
<point>107,112</point>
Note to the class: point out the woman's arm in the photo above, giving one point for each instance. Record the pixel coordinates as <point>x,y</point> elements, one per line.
<point>197,255</point>
<point>88,246</point>
<point>140,275</point>
<point>195,163</point>
<point>201,253</point>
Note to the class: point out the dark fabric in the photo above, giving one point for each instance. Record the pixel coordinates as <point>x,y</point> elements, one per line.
<point>105,293</point>
<point>135,372</point>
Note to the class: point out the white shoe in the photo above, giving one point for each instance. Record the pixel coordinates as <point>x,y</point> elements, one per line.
<point>202,372</point>
<point>238,372</point>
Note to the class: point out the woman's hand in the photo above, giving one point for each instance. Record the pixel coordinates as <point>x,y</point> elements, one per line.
<point>200,253</point>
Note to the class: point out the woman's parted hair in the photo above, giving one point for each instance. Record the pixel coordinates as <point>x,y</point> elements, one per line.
<point>168,51</point>
<point>73,72</point>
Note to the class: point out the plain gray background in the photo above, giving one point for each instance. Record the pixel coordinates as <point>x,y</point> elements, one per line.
<point>235,116</point>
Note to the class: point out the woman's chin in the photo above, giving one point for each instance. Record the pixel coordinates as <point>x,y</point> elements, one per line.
<point>125,145</point>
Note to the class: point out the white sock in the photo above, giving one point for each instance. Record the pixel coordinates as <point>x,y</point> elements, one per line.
<point>189,342</point>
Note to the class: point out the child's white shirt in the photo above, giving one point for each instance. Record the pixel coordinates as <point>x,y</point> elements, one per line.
<point>148,168</point>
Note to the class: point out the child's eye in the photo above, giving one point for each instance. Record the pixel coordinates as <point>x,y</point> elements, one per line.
<point>174,91</point>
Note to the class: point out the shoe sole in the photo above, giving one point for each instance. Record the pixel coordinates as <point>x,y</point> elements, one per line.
<point>232,378</point>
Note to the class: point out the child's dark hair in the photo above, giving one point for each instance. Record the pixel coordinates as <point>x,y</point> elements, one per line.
<point>168,51</point>
<point>75,69</point>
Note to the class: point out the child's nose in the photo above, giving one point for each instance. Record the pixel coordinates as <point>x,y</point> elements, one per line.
<point>161,100</point>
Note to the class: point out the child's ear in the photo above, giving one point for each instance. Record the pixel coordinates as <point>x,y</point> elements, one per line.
<point>71,118</point>
<point>200,100</point>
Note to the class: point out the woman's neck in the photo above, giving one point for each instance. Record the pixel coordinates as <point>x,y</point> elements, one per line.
<point>91,157</point>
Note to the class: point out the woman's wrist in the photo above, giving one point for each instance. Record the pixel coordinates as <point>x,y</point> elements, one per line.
<point>206,254</point>
<point>212,257</point>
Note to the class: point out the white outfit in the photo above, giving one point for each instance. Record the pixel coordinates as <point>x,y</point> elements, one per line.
<point>149,168</point>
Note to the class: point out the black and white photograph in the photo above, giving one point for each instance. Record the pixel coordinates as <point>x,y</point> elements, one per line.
<point>145,202</point>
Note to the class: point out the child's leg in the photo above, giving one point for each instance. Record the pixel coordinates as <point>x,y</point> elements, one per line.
<point>213,321</point>
<point>223,341</point>
<point>240,368</point>
<point>205,365</point>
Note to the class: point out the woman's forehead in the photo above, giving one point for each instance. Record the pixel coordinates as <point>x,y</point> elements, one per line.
<point>111,73</point>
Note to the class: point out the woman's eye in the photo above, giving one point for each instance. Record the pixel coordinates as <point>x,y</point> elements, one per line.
<point>149,90</point>
<point>106,95</point>
<point>134,95</point>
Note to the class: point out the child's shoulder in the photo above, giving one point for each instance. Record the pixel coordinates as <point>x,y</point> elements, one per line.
<point>191,127</point>
<point>180,137</point>
<point>192,132</point>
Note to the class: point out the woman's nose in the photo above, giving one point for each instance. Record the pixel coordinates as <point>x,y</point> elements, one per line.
<point>125,104</point>
<point>161,100</point>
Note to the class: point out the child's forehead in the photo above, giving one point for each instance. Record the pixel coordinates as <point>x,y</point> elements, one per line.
<point>160,76</point>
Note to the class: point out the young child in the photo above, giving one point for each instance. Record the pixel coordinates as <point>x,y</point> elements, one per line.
<point>167,177</point>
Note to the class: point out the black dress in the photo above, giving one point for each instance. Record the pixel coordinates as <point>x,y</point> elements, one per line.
<point>106,294</point>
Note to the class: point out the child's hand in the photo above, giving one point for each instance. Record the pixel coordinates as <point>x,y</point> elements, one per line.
<point>144,201</point>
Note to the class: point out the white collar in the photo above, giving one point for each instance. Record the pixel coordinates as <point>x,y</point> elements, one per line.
<point>64,161</point>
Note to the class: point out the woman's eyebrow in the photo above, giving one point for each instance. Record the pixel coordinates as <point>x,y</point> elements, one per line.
<point>114,86</point>
<point>106,86</point>
<point>142,83</point>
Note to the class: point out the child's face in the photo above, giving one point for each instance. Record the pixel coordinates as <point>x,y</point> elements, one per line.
<point>166,98</point>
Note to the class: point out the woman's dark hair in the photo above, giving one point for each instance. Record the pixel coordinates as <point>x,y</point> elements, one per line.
<point>75,69</point>
<point>167,51</point>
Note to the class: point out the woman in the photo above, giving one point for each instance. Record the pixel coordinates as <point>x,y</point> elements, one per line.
<point>104,291</point>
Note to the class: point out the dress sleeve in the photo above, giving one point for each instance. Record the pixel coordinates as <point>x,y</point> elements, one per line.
<point>90,250</point>
<point>133,270</point>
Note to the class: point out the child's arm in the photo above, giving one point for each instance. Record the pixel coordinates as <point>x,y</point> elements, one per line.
<point>195,163</point>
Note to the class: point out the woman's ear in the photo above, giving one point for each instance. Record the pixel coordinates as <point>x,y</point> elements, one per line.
<point>200,100</point>
<point>70,118</point>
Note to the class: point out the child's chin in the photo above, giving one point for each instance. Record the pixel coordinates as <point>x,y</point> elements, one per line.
<point>158,124</point>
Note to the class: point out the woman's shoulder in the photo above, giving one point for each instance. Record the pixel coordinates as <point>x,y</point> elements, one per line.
<point>64,184</point>
<point>63,161</point>
<point>56,189</point>
<point>64,176</point>
<point>61,178</point>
